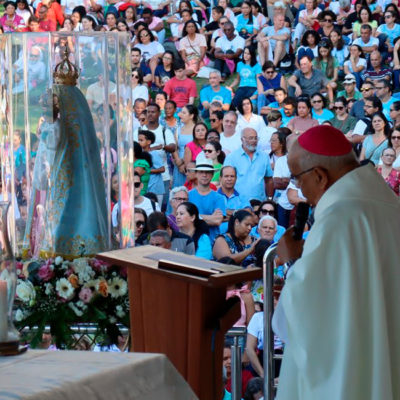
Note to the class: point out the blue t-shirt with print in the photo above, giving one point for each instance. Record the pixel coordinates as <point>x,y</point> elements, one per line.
<point>248,74</point>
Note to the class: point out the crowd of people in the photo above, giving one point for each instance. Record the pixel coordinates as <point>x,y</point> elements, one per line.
<point>211,173</point>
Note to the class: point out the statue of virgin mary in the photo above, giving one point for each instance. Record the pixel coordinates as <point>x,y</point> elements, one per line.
<point>76,212</point>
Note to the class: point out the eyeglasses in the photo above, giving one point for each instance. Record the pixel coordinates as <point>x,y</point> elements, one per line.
<point>207,151</point>
<point>389,155</point>
<point>295,178</point>
<point>328,20</point>
<point>139,224</point>
<point>135,76</point>
<point>269,72</point>
<point>137,184</point>
<point>317,101</point>
<point>213,120</point>
<point>338,108</point>
<point>180,199</point>
<point>388,16</point>
<point>395,137</point>
<point>379,87</point>
<point>144,35</point>
<point>366,89</point>
<point>267,212</point>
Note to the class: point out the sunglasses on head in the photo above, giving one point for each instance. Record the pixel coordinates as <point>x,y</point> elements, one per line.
<point>137,184</point>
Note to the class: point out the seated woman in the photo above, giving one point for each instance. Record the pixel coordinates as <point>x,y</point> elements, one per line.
<point>213,151</point>
<point>192,48</point>
<point>248,119</point>
<point>386,170</point>
<point>342,120</point>
<point>139,90</point>
<point>151,50</point>
<point>189,222</point>
<point>164,71</point>
<point>319,110</point>
<point>237,243</point>
<point>304,119</point>
<point>196,146</point>
<point>248,70</point>
<point>364,18</point>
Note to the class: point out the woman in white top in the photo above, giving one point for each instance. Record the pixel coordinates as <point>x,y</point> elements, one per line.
<point>192,48</point>
<point>139,91</point>
<point>247,119</point>
<point>152,50</point>
<point>23,10</point>
<point>356,64</point>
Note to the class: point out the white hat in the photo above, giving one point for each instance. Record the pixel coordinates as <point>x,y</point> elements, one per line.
<point>204,164</point>
<point>349,78</point>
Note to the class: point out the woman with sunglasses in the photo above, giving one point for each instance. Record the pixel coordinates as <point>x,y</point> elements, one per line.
<point>152,51</point>
<point>390,174</point>
<point>139,90</point>
<point>319,110</point>
<point>216,118</point>
<point>326,19</point>
<point>267,83</point>
<point>394,142</point>
<point>342,120</point>
<point>213,151</point>
<point>140,223</point>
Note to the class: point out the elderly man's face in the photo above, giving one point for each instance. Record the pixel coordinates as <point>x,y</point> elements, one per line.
<point>375,60</point>
<point>159,241</point>
<point>267,229</point>
<point>214,79</point>
<point>249,140</point>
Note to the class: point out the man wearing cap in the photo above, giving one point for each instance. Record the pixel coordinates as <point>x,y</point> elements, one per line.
<point>211,204</point>
<point>350,88</point>
<point>254,172</point>
<point>338,312</point>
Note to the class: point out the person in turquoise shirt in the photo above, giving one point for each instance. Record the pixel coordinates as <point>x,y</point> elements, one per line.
<point>247,72</point>
<point>319,112</point>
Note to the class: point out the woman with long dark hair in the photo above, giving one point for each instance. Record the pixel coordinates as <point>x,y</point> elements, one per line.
<point>164,71</point>
<point>139,90</point>
<point>248,119</point>
<point>247,72</point>
<point>374,144</point>
<point>189,222</point>
<point>192,47</point>
<point>213,151</point>
<point>237,243</point>
<point>304,119</point>
<point>152,51</point>
<point>196,146</point>
<point>247,25</point>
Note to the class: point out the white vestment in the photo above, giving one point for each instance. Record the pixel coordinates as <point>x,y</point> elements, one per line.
<point>340,303</point>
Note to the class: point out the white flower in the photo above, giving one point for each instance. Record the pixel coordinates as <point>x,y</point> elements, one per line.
<point>92,284</point>
<point>117,287</point>
<point>58,260</point>
<point>19,315</point>
<point>120,312</point>
<point>25,291</point>
<point>48,288</point>
<point>64,289</point>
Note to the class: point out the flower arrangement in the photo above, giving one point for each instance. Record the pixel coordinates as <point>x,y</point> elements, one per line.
<point>61,293</point>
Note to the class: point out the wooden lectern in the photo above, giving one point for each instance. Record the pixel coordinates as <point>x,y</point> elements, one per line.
<point>179,308</point>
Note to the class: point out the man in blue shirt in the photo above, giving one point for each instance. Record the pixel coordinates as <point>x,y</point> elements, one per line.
<point>254,172</point>
<point>215,92</point>
<point>211,204</point>
<point>234,200</point>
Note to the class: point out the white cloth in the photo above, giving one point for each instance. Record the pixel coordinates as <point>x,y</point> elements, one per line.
<point>256,122</point>
<point>341,298</point>
<point>140,92</point>
<point>264,139</point>
<point>224,44</point>
<point>231,143</point>
<point>151,49</point>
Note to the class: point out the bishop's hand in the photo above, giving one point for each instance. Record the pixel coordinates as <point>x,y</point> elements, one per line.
<point>288,248</point>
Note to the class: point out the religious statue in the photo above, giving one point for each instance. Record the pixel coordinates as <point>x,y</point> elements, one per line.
<point>75,220</point>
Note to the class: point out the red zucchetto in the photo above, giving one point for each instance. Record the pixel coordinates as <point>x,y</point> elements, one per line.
<point>325,140</point>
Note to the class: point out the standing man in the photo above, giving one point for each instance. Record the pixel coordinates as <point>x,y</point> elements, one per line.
<point>339,318</point>
<point>164,143</point>
<point>211,204</point>
<point>254,173</point>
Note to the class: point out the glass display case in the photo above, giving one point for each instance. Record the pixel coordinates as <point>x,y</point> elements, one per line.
<point>66,145</point>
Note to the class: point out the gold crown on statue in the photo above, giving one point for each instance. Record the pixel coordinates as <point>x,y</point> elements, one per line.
<point>65,72</point>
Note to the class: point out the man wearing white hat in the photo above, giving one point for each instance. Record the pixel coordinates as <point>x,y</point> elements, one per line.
<point>211,205</point>
<point>350,88</point>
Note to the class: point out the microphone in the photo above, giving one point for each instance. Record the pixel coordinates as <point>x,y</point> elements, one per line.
<point>302,213</point>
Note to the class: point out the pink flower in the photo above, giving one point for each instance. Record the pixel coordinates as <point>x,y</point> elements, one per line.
<point>98,265</point>
<point>45,272</point>
<point>85,295</point>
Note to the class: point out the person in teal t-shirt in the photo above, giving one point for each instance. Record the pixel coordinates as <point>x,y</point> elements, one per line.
<point>247,71</point>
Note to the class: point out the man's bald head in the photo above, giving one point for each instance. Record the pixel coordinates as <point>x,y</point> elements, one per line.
<point>249,140</point>
<point>322,171</point>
